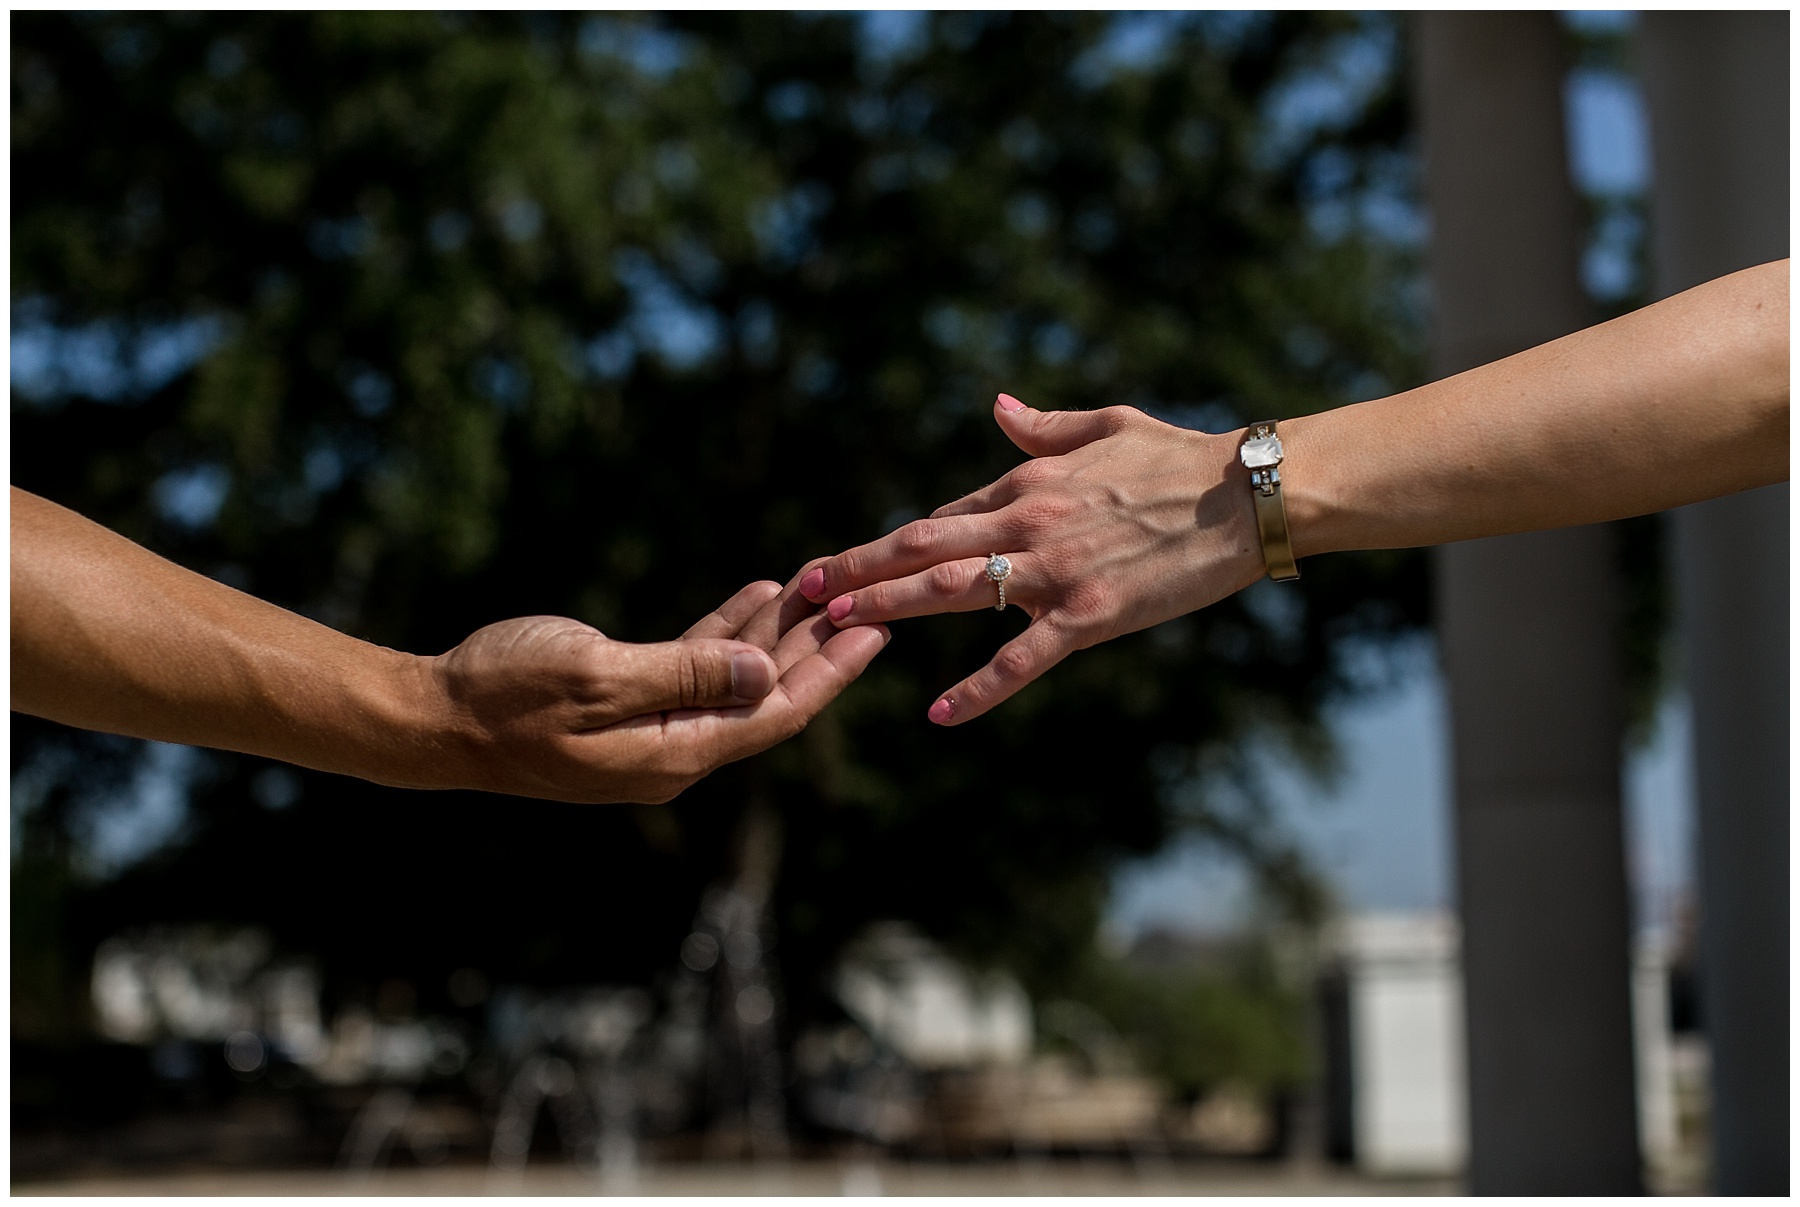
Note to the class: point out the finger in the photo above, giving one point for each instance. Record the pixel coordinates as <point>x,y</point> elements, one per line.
<point>803,640</point>
<point>1053,433</point>
<point>730,618</point>
<point>670,750</point>
<point>697,673</point>
<point>908,549</point>
<point>959,586</point>
<point>763,630</point>
<point>708,738</point>
<point>992,497</point>
<point>791,607</point>
<point>1017,663</point>
<point>815,681</point>
<point>804,691</point>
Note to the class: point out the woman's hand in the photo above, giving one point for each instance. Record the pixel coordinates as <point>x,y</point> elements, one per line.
<point>549,707</point>
<point>1120,522</point>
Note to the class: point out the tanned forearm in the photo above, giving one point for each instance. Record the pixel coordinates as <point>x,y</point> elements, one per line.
<point>108,636</point>
<point>1680,401</point>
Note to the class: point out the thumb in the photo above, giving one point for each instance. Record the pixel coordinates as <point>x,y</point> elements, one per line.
<point>692,673</point>
<point>1053,433</point>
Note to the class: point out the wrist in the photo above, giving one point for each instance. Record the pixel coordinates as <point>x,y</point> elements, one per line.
<point>1229,556</point>
<point>1318,519</point>
<point>1245,539</point>
<point>418,737</point>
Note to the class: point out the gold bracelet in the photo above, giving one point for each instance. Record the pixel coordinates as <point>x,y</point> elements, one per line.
<point>1261,455</point>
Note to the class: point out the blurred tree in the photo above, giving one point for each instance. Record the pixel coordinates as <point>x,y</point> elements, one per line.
<point>412,322</point>
<point>1227,1019</point>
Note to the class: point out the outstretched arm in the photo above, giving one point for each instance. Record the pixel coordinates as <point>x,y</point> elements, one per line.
<point>1681,401</point>
<point>1120,522</point>
<point>108,636</point>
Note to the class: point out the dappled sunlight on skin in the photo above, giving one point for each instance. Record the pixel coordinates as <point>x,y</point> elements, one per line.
<point>601,315</point>
<point>1119,522</point>
<point>623,735</point>
<point>107,636</point>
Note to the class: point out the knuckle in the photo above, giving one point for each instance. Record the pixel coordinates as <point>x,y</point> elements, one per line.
<point>690,678</point>
<point>916,539</point>
<point>1117,418</point>
<point>1013,662</point>
<point>946,580</point>
<point>840,569</point>
<point>875,600</point>
<point>1033,475</point>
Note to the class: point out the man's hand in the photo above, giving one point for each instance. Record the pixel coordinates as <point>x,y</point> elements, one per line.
<point>108,636</point>
<point>549,707</point>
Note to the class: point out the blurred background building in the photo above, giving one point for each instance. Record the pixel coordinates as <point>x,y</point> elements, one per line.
<point>362,312</point>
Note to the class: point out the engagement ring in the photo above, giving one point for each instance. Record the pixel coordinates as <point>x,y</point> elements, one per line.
<point>998,568</point>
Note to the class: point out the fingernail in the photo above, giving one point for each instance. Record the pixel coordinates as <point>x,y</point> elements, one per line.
<point>942,711</point>
<point>749,676</point>
<point>840,607</point>
<point>1009,404</point>
<point>813,584</point>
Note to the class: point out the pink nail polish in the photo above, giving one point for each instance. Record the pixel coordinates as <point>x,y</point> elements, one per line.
<point>1009,404</point>
<point>942,711</point>
<point>840,607</point>
<point>813,584</point>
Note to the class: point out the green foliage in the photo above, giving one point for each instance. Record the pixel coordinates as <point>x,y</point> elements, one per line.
<point>1198,1025</point>
<point>606,317</point>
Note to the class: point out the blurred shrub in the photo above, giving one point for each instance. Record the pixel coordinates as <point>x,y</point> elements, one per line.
<point>1224,1019</point>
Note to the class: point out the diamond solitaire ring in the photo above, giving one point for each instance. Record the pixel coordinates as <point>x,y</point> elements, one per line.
<point>998,568</point>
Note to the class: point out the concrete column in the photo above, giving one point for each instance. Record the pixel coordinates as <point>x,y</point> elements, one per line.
<point>1527,627</point>
<point>1717,84</point>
